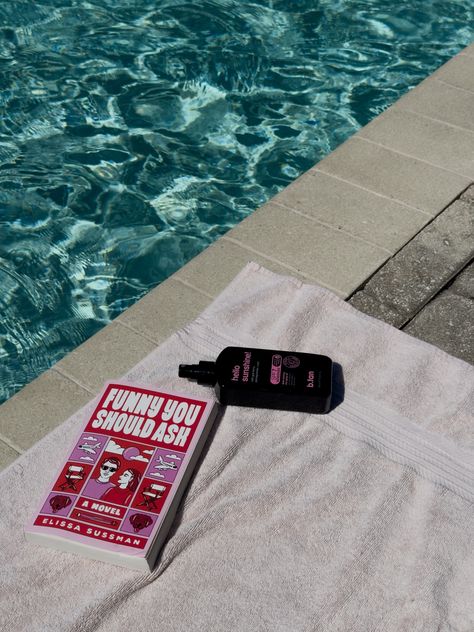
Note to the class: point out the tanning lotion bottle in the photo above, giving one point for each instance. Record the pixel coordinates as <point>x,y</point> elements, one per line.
<point>264,378</point>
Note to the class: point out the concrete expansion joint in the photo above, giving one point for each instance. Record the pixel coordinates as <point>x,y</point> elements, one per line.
<point>428,117</point>
<point>289,267</point>
<point>449,286</point>
<point>11,444</point>
<point>193,287</point>
<point>405,155</point>
<point>142,334</point>
<point>317,169</point>
<point>332,227</point>
<point>66,375</point>
<point>452,85</point>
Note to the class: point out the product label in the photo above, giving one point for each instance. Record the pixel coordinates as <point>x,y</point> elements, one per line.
<point>246,366</point>
<point>275,370</point>
<point>247,370</point>
<point>275,375</point>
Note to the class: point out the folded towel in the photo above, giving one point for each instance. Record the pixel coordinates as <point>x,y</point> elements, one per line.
<point>359,520</point>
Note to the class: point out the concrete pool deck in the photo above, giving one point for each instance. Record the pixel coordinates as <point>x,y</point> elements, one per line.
<point>361,222</point>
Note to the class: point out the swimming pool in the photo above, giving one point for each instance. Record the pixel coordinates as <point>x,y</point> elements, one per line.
<point>133,134</point>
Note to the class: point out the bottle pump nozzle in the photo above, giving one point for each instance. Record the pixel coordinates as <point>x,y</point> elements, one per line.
<point>204,372</point>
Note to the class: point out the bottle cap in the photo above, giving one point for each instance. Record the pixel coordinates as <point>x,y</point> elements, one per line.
<point>204,372</point>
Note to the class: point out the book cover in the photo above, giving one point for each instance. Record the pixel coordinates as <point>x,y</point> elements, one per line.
<point>115,496</point>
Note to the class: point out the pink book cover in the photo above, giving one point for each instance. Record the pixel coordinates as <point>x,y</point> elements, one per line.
<point>124,470</point>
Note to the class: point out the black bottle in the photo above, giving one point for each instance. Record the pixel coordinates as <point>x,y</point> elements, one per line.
<point>264,378</point>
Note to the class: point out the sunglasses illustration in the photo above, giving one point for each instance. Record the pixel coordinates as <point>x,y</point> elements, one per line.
<point>108,467</point>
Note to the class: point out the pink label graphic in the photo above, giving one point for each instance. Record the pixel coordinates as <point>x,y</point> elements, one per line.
<point>275,376</point>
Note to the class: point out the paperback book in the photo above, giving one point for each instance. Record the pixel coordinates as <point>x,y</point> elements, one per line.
<point>116,494</point>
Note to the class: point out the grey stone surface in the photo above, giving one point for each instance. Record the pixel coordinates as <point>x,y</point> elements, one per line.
<point>464,282</point>
<point>214,269</point>
<point>399,177</point>
<point>164,310</point>
<point>441,102</point>
<point>349,207</point>
<point>468,194</point>
<point>422,268</point>
<point>105,356</point>
<point>333,258</point>
<point>448,323</point>
<point>39,407</point>
<point>469,50</point>
<point>459,72</point>
<point>373,306</point>
<point>7,455</point>
<point>448,320</point>
<point>433,141</point>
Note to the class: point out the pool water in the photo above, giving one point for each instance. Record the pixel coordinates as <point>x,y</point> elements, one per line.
<point>133,133</point>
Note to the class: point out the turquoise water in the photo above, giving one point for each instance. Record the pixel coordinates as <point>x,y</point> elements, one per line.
<point>133,133</point>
